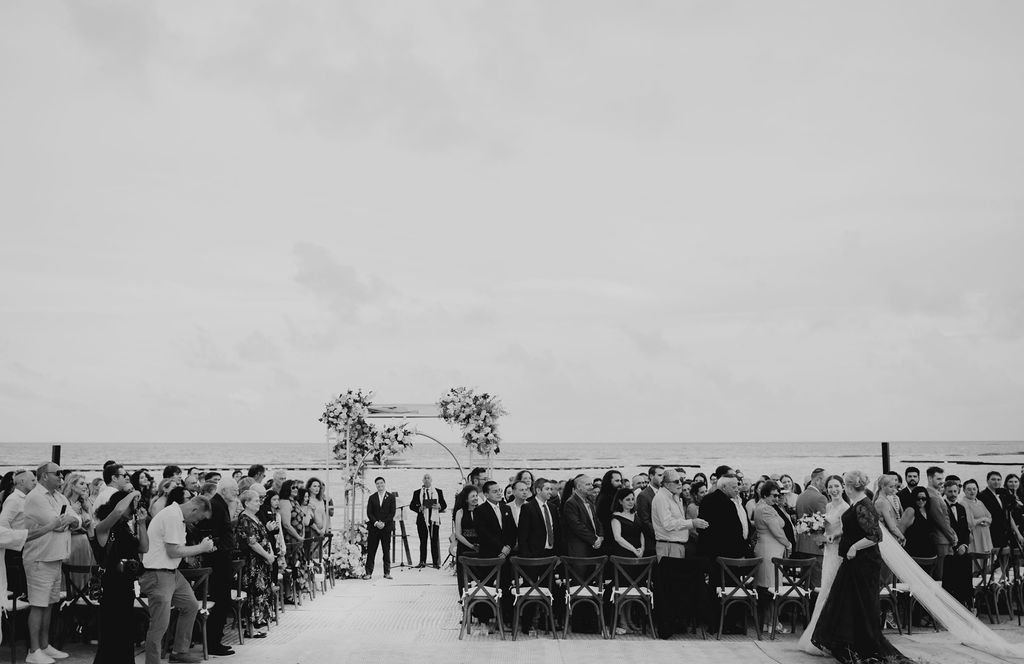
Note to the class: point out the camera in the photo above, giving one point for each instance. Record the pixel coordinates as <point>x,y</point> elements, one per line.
<point>129,567</point>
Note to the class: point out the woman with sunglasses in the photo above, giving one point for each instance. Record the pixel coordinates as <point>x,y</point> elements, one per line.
<point>920,532</point>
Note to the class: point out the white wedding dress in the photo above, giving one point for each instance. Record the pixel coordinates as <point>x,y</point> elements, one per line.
<point>829,566</point>
<point>947,612</point>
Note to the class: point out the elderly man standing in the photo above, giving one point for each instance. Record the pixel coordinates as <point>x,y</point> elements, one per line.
<point>677,579</point>
<point>43,558</point>
<point>583,534</point>
<point>219,529</point>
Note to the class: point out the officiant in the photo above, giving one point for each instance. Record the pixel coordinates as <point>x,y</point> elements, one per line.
<point>428,503</point>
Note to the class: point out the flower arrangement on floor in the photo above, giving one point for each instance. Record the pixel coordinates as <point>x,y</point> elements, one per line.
<point>477,414</point>
<point>349,558</point>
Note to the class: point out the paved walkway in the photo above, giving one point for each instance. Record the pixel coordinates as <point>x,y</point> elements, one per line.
<point>415,618</point>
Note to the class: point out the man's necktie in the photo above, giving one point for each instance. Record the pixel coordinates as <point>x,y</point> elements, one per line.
<point>547,526</point>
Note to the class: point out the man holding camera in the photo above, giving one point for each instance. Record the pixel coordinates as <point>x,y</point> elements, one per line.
<point>164,585</point>
<point>380,522</point>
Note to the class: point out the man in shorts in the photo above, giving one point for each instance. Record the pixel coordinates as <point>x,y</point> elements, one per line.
<point>43,557</point>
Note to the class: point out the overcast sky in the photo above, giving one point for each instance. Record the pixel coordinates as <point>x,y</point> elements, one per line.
<point>660,221</point>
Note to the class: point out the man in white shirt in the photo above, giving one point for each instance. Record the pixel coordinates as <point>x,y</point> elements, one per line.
<point>668,516</point>
<point>428,503</point>
<point>43,558</point>
<point>164,585</point>
<point>13,513</point>
<point>116,479</point>
<point>520,494</point>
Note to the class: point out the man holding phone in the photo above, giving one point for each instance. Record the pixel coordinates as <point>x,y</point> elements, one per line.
<point>164,585</point>
<point>43,557</point>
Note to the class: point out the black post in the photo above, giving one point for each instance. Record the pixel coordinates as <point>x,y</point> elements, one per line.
<point>55,454</point>
<point>886,466</point>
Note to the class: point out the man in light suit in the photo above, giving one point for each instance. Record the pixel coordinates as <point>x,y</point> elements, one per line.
<point>583,532</point>
<point>811,501</point>
<point>945,537</point>
<point>429,504</point>
<point>380,522</point>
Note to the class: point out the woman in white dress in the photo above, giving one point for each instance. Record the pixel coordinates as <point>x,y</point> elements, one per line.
<point>830,562</point>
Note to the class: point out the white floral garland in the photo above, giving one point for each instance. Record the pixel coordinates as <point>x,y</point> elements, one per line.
<point>348,411</point>
<point>477,415</point>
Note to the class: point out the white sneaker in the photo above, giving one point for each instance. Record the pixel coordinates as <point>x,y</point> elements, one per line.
<point>39,657</point>
<point>54,653</point>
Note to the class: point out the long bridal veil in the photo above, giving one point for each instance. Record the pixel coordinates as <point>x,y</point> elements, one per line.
<point>829,566</point>
<point>946,611</point>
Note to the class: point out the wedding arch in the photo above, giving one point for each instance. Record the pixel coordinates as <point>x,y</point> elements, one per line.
<point>348,430</point>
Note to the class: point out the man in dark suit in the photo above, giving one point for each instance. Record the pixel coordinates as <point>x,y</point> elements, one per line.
<point>644,500</point>
<point>995,502</point>
<point>380,522</point>
<point>583,533</point>
<point>912,476</point>
<point>944,536</point>
<point>429,504</point>
<point>218,528</point>
<point>540,526</point>
<point>496,536</point>
<point>728,528</point>
<point>956,578</point>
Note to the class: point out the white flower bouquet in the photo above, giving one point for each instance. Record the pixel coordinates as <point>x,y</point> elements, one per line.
<point>811,524</point>
<point>477,415</point>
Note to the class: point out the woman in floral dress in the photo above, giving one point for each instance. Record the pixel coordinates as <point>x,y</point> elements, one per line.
<point>255,548</point>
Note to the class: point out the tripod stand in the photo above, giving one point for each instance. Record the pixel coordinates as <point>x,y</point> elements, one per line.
<point>406,553</point>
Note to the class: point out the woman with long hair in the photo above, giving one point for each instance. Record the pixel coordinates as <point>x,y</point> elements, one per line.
<point>318,505</point>
<point>121,539</point>
<point>627,540</point>
<point>611,484</point>
<point>293,521</point>
<point>527,477</point>
<point>834,510</point>
<point>465,529</point>
<point>920,529</point>
<point>76,490</point>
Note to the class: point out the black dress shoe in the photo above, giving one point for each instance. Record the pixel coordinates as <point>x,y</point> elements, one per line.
<point>218,650</point>
<point>436,566</point>
<point>421,565</point>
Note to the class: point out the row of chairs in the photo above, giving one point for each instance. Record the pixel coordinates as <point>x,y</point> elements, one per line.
<point>80,598</point>
<point>581,581</point>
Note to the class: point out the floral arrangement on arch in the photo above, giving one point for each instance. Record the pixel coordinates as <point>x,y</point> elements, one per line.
<point>348,411</point>
<point>477,415</point>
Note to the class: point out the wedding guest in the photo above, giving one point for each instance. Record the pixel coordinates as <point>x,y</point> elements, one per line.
<point>318,506</point>
<point>888,506</point>
<point>160,499</point>
<point>597,484</point>
<point>754,499</point>
<point>628,541</point>
<point>277,481</point>
<point>1015,507</point>
<point>728,529</point>
<point>76,490</point>
<point>258,472</point>
<point>957,570</point>
<point>568,488</point>
<point>465,529</point>
<point>583,534</point>
<point>164,586</point>
<point>540,527</point>
<point>508,493</point>
<point>6,486</point>
<point>218,527</point>
<point>496,535</point>
<point>921,529</point>
<point>121,537</point>
<point>811,501</point>
<point>270,517</point>
<point>477,477</point>
<point>644,500</point>
<point>675,579</point>
<point>700,477</point>
<point>772,542</point>
<point>912,475</point>
<point>236,475</point>
<point>672,529</point>
<point>43,558</point>
<point>848,628</point>
<point>254,544</point>
<point>95,486</point>
<point>380,521</point>
<point>790,493</point>
<point>992,498</point>
<point>520,495</point>
<point>639,482</point>
<point>294,527</point>
<point>142,482</point>
<point>247,483</point>
<point>944,535</point>
<point>610,485</point>
<point>173,473</point>
<point>979,517</point>
<point>525,476</point>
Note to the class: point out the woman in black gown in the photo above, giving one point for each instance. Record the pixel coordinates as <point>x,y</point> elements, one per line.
<point>120,538</point>
<point>848,628</point>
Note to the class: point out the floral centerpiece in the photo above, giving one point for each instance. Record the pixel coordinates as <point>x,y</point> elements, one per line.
<point>349,558</point>
<point>811,524</point>
<point>477,415</point>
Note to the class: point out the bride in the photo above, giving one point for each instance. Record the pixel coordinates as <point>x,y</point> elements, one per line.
<point>946,611</point>
<point>830,562</point>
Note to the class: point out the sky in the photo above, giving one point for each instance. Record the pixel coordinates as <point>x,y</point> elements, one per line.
<point>659,221</point>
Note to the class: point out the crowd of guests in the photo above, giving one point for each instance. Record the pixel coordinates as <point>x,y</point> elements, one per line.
<point>688,522</point>
<point>140,532</point>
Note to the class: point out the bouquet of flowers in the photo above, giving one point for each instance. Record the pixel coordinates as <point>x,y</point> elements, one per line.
<point>349,558</point>
<point>477,414</point>
<point>347,413</point>
<point>347,409</point>
<point>811,524</point>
